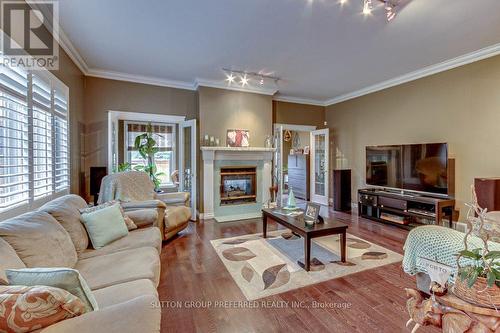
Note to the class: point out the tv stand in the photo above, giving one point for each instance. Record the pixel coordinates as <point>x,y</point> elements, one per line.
<point>405,209</point>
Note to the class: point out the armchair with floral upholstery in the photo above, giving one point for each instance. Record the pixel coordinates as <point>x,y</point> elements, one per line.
<point>134,189</point>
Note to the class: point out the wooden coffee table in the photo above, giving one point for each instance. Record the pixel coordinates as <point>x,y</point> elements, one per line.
<point>298,226</point>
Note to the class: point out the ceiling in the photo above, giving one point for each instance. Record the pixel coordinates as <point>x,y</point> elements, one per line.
<point>324,52</point>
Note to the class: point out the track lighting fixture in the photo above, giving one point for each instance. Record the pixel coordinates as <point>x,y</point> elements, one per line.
<point>367,7</point>
<point>230,78</point>
<point>247,78</point>
<point>391,7</point>
<point>244,80</point>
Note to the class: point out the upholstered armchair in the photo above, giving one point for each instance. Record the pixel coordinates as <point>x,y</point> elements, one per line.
<point>134,189</point>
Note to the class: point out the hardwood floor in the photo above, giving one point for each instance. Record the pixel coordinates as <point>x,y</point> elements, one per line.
<point>193,275</point>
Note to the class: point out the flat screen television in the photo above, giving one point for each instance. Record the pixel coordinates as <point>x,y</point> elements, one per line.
<point>415,167</point>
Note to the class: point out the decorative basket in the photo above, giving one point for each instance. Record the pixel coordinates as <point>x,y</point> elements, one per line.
<point>480,294</point>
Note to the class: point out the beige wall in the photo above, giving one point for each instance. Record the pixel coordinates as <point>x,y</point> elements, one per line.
<point>459,106</point>
<point>298,114</point>
<point>103,95</point>
<point>221,110</point>
<point>71,75</point>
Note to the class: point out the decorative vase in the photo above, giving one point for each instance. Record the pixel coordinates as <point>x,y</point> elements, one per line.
<point>268,143</point>
<point>291,203</point>
<point>479,294</point>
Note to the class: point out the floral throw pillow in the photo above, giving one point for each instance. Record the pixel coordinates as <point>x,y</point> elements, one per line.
<point>25,309</point>
<point>128,221</point>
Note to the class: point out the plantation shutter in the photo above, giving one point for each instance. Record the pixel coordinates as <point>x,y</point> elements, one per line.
<point>43,177</point>
<point>61,140</point>
<point>14,138</point>
<point>34,141</point>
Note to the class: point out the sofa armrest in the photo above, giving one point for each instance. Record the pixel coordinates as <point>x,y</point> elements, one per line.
<point>134,205</point>
<point>174,198</point>
<point>141,314</point>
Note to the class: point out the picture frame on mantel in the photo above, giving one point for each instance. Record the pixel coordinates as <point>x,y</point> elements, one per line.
<point>238,138</point>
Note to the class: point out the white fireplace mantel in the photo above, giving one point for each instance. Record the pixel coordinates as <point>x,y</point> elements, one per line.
<point>211,154</point>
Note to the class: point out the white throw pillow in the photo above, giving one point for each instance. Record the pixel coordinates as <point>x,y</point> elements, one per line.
<point>128,221</point>
<point>104,225</point>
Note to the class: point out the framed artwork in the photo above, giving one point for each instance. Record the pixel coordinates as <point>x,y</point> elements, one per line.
<point>238,138</point>
<point>306,150</point>
<point>312,212</point>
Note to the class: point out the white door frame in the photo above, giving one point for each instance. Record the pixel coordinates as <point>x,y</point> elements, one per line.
<point>188,123</point>
<point>290,127</point>
<point>321,199</point>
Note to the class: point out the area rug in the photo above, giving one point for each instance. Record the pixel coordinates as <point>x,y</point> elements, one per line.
<point>263,267</point>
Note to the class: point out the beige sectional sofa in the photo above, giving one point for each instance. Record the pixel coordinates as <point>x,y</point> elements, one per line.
<point>123,275</point>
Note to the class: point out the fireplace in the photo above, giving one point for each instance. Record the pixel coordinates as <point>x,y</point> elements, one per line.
<point>238,185</point>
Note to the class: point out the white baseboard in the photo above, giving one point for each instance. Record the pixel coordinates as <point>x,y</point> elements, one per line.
<point>206,216</point>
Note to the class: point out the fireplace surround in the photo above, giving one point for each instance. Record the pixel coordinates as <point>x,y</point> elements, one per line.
<point>216,160</point>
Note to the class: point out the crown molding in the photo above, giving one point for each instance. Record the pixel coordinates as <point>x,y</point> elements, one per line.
<point>225,86</point>
<point>61,37</point>
<point>72,53</point>
<point>465,59</point>
<point>100,73</point>
<point>298,100</point>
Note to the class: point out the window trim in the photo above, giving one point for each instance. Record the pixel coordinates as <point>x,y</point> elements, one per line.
<point>173,166</point>
<point>33,203</point>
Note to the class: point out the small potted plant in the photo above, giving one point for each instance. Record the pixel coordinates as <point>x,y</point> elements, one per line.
<point>478,279</point>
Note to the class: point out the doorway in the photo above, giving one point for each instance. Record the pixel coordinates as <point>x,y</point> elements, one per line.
<point>296,159</point>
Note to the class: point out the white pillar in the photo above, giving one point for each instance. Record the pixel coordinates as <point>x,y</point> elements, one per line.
<point>208,184</point>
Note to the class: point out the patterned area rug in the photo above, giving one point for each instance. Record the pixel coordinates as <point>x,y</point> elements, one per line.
<point>263,267</point>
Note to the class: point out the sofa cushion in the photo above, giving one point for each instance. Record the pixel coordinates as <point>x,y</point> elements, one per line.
<point>39,240</point>
<point>66,211</point>
<point>25,309</point>
<point>124,266</point>
<point>135,239</point>
<point>143,217</point>
<point>64,278</point>
<point>141,314</point>
<point>123,292</point>
<point>105,225</point>
<point>8,259</point>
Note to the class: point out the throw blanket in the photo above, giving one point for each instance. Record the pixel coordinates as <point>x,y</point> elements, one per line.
<point>126,186</point>
<point>440,244</point>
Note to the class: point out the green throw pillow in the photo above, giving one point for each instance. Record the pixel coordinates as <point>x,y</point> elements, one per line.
<point>63,278</point>
<point>104,225</point>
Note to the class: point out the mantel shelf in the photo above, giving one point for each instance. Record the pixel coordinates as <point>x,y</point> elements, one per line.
<point>238,149</point>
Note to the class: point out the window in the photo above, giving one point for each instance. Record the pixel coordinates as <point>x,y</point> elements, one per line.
<point>34,160</point>
<point>165,137</point>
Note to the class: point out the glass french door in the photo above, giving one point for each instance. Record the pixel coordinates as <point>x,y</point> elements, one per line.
<point>278,164</point>
<point>187,161</point>
<point>319,166</point>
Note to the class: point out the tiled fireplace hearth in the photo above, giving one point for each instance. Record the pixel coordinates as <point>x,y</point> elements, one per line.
<point>236,182</point>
